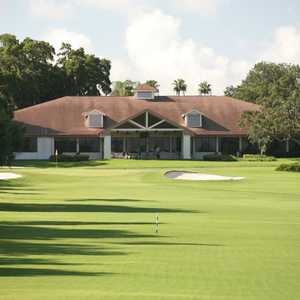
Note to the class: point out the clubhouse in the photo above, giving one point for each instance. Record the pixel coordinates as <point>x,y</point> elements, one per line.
<point>145,126</point>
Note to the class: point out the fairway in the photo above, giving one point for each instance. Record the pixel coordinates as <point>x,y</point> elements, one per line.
<point>87,231</point>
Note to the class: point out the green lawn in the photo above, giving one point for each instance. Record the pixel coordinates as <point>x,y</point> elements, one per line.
<point>85,231</point>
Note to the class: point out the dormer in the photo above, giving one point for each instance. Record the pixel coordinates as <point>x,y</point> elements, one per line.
<point>193,119</point>
<point>145,92</point>
<point>94,119</point>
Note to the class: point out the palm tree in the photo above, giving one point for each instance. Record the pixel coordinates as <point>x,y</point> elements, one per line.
<point>179,86</point>
<point>153,83</point>
<point>204,88</point>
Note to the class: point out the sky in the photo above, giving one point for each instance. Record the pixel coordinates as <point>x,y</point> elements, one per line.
<point>213,40</point>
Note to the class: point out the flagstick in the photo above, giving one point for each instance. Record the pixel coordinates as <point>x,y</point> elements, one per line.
<point>56,157</point>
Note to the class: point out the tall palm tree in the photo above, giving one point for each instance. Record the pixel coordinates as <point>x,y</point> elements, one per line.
<point>153,83</point>
<point>179,86</point>
<point>204,88</point>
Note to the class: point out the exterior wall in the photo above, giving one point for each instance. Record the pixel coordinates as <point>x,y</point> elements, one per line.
<point>107,147</point>
<point>186,146</point>
<point>45,148</point>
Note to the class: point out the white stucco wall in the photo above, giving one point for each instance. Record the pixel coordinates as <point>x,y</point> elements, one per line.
<point>107,147</point>
<point>45,148</point>
<point>26,155</point>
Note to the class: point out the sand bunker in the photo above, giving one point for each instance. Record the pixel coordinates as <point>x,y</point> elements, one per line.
<point>5,176</point>
<point>180,175</point>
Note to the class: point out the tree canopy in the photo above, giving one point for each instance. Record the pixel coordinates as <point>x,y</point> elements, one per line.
<point>11,134</point>
<point>30,73</point>
<point>276,88</point>
<point>124,88</point>
<point>84,72</point>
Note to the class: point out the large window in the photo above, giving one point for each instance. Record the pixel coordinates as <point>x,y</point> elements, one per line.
<point>205,144</point>
<point>30,144</point>
<point>165,144</point>
<point>229,145</point>
<point>117,144</point>
<point>63,145</point>
<point>136,145</point>
<point>89,145</point>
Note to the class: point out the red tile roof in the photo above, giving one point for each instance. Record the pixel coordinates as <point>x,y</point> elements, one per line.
<point>65,116</point>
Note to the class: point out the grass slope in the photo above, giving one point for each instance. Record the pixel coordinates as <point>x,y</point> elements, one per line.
<point>85,231</point>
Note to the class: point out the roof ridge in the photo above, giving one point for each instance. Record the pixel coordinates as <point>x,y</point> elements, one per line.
<point>43,103</point>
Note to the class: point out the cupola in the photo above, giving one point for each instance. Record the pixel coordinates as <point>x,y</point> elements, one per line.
<point>145,92</point>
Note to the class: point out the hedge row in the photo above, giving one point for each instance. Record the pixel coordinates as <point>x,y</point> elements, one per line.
<point>293,167</point>
<point>219,157</point>
<point>69,158</point>
<point>258,157</point>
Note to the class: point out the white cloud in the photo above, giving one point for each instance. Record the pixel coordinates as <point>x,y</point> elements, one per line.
<point>108,4</point>
<point>57,36</point>
<point>157,51</point>
<point>205,7</point>
<point>52,9</point>
<point>285,47</point>
<point>62,9</point>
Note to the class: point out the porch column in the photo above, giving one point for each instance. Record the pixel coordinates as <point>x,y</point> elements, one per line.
<point>107,147</point>
<point>287,146</point>
<point>217,144</point>
<point>186,146</point>
<point>240,144</point>
<point>77,145</point>
<point>124,144</point>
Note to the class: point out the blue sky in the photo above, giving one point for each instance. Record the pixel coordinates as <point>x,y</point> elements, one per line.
<point>214,40</point>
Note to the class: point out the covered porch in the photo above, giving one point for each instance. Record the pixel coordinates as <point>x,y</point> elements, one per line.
<point>147,145</point>
<point>149,136</point>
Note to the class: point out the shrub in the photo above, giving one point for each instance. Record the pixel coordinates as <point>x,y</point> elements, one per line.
<point>69,158</point>
<point>81,157</point>
<point>219,157</point>
<point>258,157</point>
<point>293,167</point>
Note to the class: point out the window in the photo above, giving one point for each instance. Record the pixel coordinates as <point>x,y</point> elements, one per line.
<point>94,119</point>
<point>117,144</point>
<point>163,143</point>
<point>194,120</point>
<point>229,145</point>
<point>135,145</point>
<point>145,95</point>
<point>89,145</point>
<point>205,144</point>
<point>29,144</point>
<point>63,145</point>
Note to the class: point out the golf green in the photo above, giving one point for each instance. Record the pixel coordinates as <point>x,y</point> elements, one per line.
<point>87,231</point>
